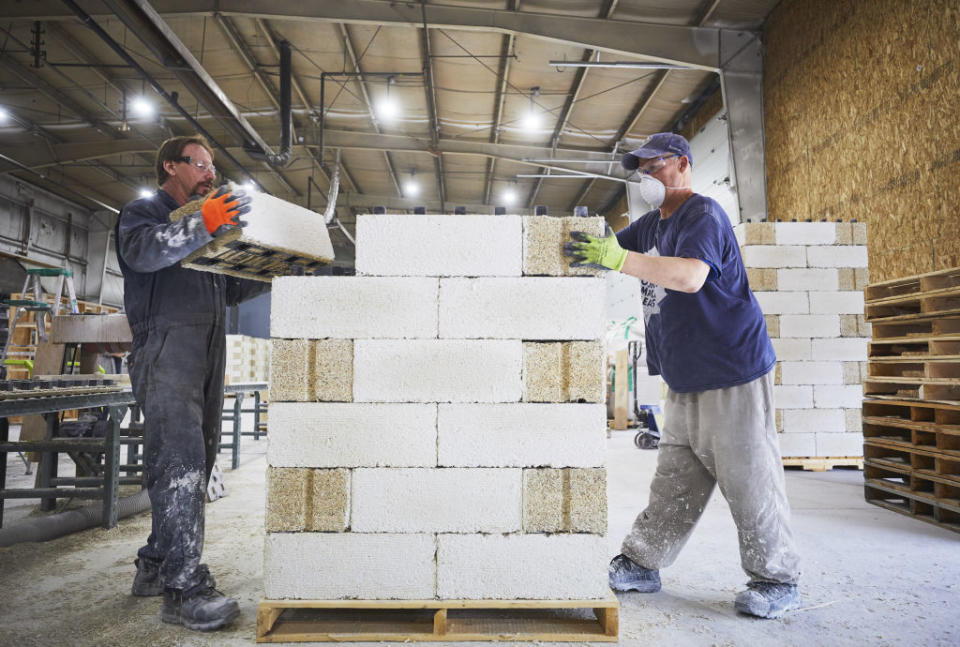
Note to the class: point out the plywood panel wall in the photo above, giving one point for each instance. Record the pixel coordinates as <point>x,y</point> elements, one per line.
<point>862,122</point>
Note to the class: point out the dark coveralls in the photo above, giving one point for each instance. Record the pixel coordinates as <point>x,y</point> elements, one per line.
<point>177,317</point>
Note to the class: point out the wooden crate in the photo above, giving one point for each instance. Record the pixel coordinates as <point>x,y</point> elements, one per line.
<point>911,408</point>
<point>437,620</point>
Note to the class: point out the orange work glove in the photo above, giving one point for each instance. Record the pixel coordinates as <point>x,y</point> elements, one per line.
<point>223,210</point>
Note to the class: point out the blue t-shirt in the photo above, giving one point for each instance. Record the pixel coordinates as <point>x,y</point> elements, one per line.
<point>713,338</point>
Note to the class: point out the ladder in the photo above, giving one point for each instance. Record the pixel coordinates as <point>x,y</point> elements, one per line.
<point>31,286</point>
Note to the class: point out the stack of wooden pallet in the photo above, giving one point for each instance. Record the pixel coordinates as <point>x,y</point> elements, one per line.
<point>911,408</point>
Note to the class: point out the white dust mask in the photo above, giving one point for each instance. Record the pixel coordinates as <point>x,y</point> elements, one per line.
<point>653,190</point>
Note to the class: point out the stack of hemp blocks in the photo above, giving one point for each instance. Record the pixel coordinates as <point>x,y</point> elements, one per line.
<point>437,426</point>
<point>809,279</point>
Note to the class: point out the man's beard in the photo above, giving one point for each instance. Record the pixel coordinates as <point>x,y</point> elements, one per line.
<point>202,188</point>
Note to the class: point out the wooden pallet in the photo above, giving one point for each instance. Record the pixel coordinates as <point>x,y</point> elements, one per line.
<point>437,620</point>
<point>822,463</point>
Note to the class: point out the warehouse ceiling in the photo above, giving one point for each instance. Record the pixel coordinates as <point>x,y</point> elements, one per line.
<point>489,105</point>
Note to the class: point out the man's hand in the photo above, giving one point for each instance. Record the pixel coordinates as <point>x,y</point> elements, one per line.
<point>223,209</point>
<point>588,251</point>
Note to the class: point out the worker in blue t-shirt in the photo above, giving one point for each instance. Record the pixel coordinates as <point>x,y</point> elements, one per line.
<point>706,336</point>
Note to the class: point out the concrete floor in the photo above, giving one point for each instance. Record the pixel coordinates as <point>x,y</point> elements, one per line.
<point>871,577</point>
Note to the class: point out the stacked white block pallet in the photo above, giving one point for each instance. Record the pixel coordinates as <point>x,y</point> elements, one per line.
<point>809,279</point>
<point>437,426</point>
<point>248,359</point>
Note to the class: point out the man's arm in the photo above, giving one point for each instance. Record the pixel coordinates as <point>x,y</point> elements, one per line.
<point>148,244</point>
<point>671,272</point>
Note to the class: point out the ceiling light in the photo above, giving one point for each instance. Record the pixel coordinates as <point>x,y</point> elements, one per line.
<point>142,107</point>
<point>387,109</point>
<point>531,120</point>
<point>387,106</point>
<point>509,196</point>
<point>146,193</point>
<point>3,115</point>
<point>411,189</point>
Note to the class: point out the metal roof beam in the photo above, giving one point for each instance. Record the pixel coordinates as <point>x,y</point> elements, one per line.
<point>345,139</point>
<point>355,61</point>
<point>692,46</point>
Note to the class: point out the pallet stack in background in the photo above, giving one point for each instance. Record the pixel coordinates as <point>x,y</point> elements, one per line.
<point>911,405</point>
<point>809,278</point>
<point>437,424</point>
<point>248,359</point>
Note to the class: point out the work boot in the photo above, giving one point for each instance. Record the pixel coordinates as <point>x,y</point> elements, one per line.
<point>767,599</point>
<point>627,575</point>
<point>201,608</point>
<point>147,582</point>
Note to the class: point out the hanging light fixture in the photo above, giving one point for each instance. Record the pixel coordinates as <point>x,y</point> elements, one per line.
<point>411,188</point>
<point>531,119</point>
<point>387,107</point>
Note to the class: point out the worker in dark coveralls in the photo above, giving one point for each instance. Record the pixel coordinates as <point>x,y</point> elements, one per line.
<point>177,317</point>
<point>707,337</point>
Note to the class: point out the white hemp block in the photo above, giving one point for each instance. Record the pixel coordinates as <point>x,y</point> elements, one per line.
<point>353,307</point>
<point>559,566</point>
<point>336,566</point>
<point>805,233</point>
<point>774,256</point>
<point>810,326</point>
<point>847,349</point>
<point>837,256</point>
<point>530,308</point>
<point>827,278</point>
<point>436,500</point>
<point>521,435</point>
<point>421,245</point>
<point>839,302</point>
<point>846,444</point>
<point>811,373</point>
<point>777,303</point>
<point>815,420</point>
<point>437,370</point>
<point>837,396</point>
<point>798,444</point>
<point>791,349</point>
<point>791,397</point>
<point>338,434</point>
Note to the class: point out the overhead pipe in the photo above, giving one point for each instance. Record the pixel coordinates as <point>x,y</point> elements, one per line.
<point>331,210</point>
<point>286,114</point>
<point>171,99</point>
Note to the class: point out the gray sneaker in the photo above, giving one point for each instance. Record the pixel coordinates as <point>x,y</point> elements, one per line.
<point>627,575</point>
<point>768,599</point>
<point>147,582</point>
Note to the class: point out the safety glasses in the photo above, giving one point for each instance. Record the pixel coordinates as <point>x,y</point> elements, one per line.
<point>200,165</point>
<point>654,165</point>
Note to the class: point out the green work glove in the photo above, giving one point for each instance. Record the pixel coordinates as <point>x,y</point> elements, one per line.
<point>589,251</point>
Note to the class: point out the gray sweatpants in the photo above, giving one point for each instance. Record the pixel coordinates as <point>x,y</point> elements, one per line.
<point>726,437</point>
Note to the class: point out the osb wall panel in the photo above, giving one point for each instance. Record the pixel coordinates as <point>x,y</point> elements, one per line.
<point>862,122</point>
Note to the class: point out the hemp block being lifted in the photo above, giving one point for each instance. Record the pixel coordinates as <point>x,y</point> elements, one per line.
<point>563,372</point>
<point>565,500</point>
<point>543,239</point>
